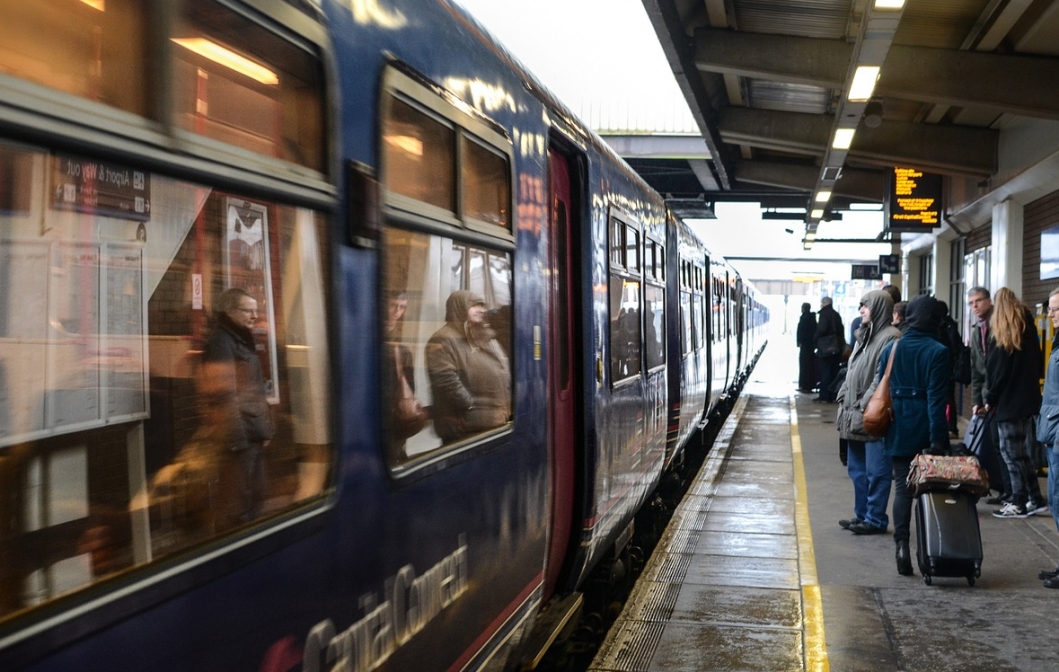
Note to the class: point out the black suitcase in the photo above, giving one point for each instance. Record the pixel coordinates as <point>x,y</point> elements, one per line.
<point>948,540</point>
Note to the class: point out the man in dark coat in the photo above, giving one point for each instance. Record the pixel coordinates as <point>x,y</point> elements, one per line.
<point>830,341</point>
<point>235,386</point>
<point>806,349</point>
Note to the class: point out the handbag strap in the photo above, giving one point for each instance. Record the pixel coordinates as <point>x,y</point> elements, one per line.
<point>890,362</point>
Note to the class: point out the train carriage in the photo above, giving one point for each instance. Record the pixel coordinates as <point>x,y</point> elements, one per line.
<point>482,340</point>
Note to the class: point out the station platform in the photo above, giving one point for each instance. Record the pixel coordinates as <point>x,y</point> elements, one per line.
<point>754,572</point>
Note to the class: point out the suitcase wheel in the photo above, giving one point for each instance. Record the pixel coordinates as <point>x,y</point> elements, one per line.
<point>970,580</point>
<point>927,580</point>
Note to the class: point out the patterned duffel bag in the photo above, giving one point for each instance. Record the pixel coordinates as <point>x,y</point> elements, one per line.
<point>947,472</point>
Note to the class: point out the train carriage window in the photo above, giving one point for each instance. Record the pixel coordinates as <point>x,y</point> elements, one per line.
<point>486,184</point>
<point>151,359</point>
<point>420,154</point>
<point>446,298</point>
<point>626,314</point>
<point>239,83</point>
<point>87,49</point>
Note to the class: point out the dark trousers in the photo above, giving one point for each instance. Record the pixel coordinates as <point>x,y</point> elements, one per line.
<point>902,507</point>
<point>828,370</point>
<point>806,368</point>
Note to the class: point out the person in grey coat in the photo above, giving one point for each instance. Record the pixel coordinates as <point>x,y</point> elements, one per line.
<point>470,378</point>
<point>867,464</point>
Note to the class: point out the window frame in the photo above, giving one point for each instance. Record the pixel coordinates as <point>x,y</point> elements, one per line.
<point>621,268</point>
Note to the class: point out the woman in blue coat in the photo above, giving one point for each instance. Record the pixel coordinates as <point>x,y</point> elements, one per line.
<point>919,389</point>
<point>1048,426</point>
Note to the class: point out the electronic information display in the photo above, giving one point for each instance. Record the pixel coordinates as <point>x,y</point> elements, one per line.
<point>915,199</point>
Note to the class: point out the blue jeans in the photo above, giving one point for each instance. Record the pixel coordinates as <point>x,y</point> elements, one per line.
<point>1053,482</point>
<point>1016,447</point>
<point>871,473</point>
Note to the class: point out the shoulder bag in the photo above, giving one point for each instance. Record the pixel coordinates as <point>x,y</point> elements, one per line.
<point>880,409</point>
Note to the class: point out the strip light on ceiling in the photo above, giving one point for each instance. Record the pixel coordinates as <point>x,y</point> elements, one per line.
<point>889,4</point>
<point>863,83</point>
<point>843,138</point>
<point>822,196</point>
<point>228,59</point>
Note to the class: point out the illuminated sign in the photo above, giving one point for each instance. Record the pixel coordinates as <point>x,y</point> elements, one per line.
<point>915,199</point>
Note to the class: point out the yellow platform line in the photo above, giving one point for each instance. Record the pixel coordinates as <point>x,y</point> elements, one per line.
<point>812,606</point>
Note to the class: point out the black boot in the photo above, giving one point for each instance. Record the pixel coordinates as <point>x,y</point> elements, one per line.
<point>904,558</point>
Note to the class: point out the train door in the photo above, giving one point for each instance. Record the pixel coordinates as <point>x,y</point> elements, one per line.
<point>562,362</point>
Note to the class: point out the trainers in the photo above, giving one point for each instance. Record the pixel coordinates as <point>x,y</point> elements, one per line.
<point>1045,574</point>
<point>1034,508</point>
<point>845,523</point>
<point>1010,510</point>
<point>1052,582</point>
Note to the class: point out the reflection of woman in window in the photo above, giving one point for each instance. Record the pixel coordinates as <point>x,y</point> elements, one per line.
<point>469,373</point>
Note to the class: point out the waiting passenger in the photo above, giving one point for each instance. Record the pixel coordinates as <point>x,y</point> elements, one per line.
<point>918,385</point>
<point>899,316</point>
<point>807,376</point>
<point>406,416</point>
<point>867,463</point>
<point>470,378</point>
<point>1048,427</point>
<point>1012,391</point>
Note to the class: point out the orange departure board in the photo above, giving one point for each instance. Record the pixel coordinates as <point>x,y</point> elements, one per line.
<point>915,199</point>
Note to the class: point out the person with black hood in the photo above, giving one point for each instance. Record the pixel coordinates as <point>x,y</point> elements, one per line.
<point>806,356</point>
<point>235,387</point>
<point>866,462</point>
<point>830,342</point>
<point>470,378</point>
<point>1012,391</point>
<point>918,388</point>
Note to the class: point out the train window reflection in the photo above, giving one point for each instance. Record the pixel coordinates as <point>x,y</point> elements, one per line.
<point>153,348</point>
<point>78,48</point>
<point>446,372</point>
<point>240,84</point>
<point>419,155</point>
<point>625,332</point>
<point>486,185</point>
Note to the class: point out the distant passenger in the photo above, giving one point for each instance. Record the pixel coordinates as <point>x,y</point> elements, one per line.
<point>405,417</point>
<point>894,293</point>
<point>830,341</point>
<point>898,319</point>
<point>867,464</point>
<point>807,376</point>
<point>469,373</point>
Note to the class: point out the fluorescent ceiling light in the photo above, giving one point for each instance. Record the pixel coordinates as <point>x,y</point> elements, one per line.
<point>822,196</point>
<point>865,206</point>
<point>101,5</point>
<point>843,138</point>
<point>863,83</point>
<point>817,213</point>
<point>889,4</point>
<point>228,59</point>
<point>810,236</point>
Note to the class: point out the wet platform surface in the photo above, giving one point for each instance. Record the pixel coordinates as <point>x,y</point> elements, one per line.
<point>754,572</point>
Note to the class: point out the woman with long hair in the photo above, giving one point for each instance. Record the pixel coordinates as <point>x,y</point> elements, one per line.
<point>1012,391</point>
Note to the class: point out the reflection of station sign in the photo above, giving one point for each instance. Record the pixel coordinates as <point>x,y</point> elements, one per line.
<point>889,263</point>
<point>866,272</point>
<point>100,188</point>
<point>915,199</point>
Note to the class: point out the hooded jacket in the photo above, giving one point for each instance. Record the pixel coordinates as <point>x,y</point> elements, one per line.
<point>470,379</point>
<point>919,382</point>
<point>871,338</point>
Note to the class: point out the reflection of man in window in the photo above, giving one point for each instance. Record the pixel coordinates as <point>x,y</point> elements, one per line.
<point>233,379</point>
<point>469,373</point>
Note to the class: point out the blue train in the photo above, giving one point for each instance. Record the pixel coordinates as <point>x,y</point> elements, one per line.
<point>481,340</point>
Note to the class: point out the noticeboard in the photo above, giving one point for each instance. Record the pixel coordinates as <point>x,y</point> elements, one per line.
<point>915,199</point>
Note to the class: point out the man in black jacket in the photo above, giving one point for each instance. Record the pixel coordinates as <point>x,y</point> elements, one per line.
<point>830,342</point>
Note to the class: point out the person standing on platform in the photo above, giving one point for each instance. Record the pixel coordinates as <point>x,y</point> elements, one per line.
<point>981,342</point>
<point>867,464</point>
<point>1048,427</point>
<point>807,378</point>
<point>949,335</point>
<point>918,382</point>
<point>830,342</point>
<point>899,316</point>
<point>1012,390</point>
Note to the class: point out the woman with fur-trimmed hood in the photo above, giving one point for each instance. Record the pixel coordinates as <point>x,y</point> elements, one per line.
<point>867,464</point>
